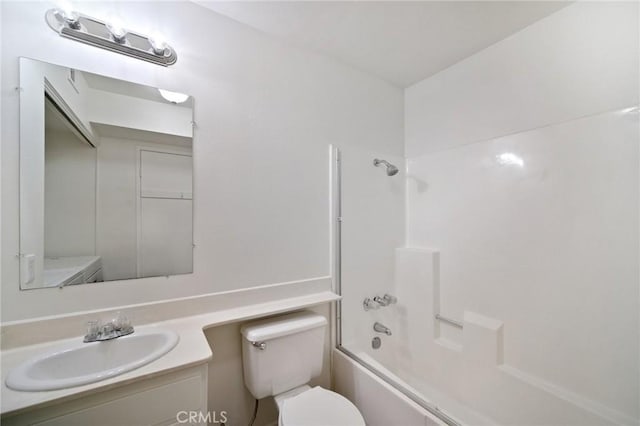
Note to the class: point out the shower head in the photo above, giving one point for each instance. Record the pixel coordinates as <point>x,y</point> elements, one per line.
<point>391,169</point>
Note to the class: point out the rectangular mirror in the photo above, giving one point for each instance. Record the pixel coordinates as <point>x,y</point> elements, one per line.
<point>106,176</point>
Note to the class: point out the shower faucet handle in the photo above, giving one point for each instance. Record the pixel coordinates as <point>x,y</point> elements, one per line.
<point>385,300</point>
<point>391,300</point>
<point>369,304</point>
<point>380,301</point>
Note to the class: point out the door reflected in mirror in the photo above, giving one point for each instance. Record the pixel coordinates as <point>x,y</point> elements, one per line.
<point>106,176</point>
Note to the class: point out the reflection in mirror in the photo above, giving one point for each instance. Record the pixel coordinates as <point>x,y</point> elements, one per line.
<point>105,179</point>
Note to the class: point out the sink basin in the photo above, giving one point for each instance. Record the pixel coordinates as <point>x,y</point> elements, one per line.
<point>84,363</point>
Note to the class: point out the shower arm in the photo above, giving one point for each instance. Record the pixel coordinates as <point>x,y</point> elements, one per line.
<point>391,169</point>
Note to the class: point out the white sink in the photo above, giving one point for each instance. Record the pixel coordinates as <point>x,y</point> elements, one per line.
<point>85,363</point>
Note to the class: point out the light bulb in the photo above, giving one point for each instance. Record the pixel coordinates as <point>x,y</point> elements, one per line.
<point>173,97</point>
<point>70,16</point>
<point>510,159</point>
<point>158,44</point>
<point>117,30</point>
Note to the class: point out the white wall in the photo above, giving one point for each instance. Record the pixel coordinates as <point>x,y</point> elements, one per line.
<point>73,93</point>
<point>265,116</point>
<point>116,201</point>
<point>2,249</point>
<point>543,239</point>
<point>165,213</point>
<point>70,195</point>
<point>32,85</point>
<point>141,114</point>
<point>373,224</point>
<point>116,212</point>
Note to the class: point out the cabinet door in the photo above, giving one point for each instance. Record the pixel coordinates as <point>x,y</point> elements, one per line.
<point>150,402</point>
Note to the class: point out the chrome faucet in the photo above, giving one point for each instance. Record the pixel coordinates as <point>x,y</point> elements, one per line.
<point>380,328</point>
<point>379,301</point>
<point>117,327</point>
<point>385,300</point>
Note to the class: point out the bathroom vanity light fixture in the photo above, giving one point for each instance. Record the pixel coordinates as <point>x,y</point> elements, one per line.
<point>111,36</point>
<point>173,97</point>
<point>510,159</point>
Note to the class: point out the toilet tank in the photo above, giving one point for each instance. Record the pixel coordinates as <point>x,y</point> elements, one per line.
<point>291,355</point>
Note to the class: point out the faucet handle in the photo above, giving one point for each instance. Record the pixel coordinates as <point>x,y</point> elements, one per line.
<point>369,304</point>
<point>117,327</point>
<point>108,331</point>
<point>391,300</point>
<point>122,324</point>
<point>93,330</point>
<point>380,301</point>
<point>120,321</point>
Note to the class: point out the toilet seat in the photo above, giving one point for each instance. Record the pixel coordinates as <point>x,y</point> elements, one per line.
<point>319,407</point>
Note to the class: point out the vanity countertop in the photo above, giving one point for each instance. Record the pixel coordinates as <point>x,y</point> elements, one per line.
<point>59,271</point>
<point>192,349</point>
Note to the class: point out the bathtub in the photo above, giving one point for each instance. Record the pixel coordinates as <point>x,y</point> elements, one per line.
<point>381,403</point>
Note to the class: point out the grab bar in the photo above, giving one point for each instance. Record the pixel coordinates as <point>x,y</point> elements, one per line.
<point>449,321</point>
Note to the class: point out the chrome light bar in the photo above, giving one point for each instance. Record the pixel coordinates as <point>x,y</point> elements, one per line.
<point>92,31</point>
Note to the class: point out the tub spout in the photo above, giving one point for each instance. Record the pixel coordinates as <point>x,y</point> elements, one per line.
<point>380,328</point>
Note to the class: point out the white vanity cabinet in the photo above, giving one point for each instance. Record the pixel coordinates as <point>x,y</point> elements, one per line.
<point>162,400</point>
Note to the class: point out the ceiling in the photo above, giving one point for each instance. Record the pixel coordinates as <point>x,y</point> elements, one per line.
<point>401,42</point>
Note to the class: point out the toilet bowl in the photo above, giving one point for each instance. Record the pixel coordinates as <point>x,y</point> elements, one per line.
<point>280,356</point>
<point>316,406</point>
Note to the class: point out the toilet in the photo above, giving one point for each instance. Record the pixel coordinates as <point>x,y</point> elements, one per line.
<point>280,356</point>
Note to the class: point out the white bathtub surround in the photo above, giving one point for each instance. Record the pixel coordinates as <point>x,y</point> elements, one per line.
<point>482,339</point>
<point>563,253</point>
<point>192,349</point>
<point>523,170</point>
<point>468,378</point>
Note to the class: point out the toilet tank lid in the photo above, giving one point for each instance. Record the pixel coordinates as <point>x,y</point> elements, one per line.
<point>284,325</point>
